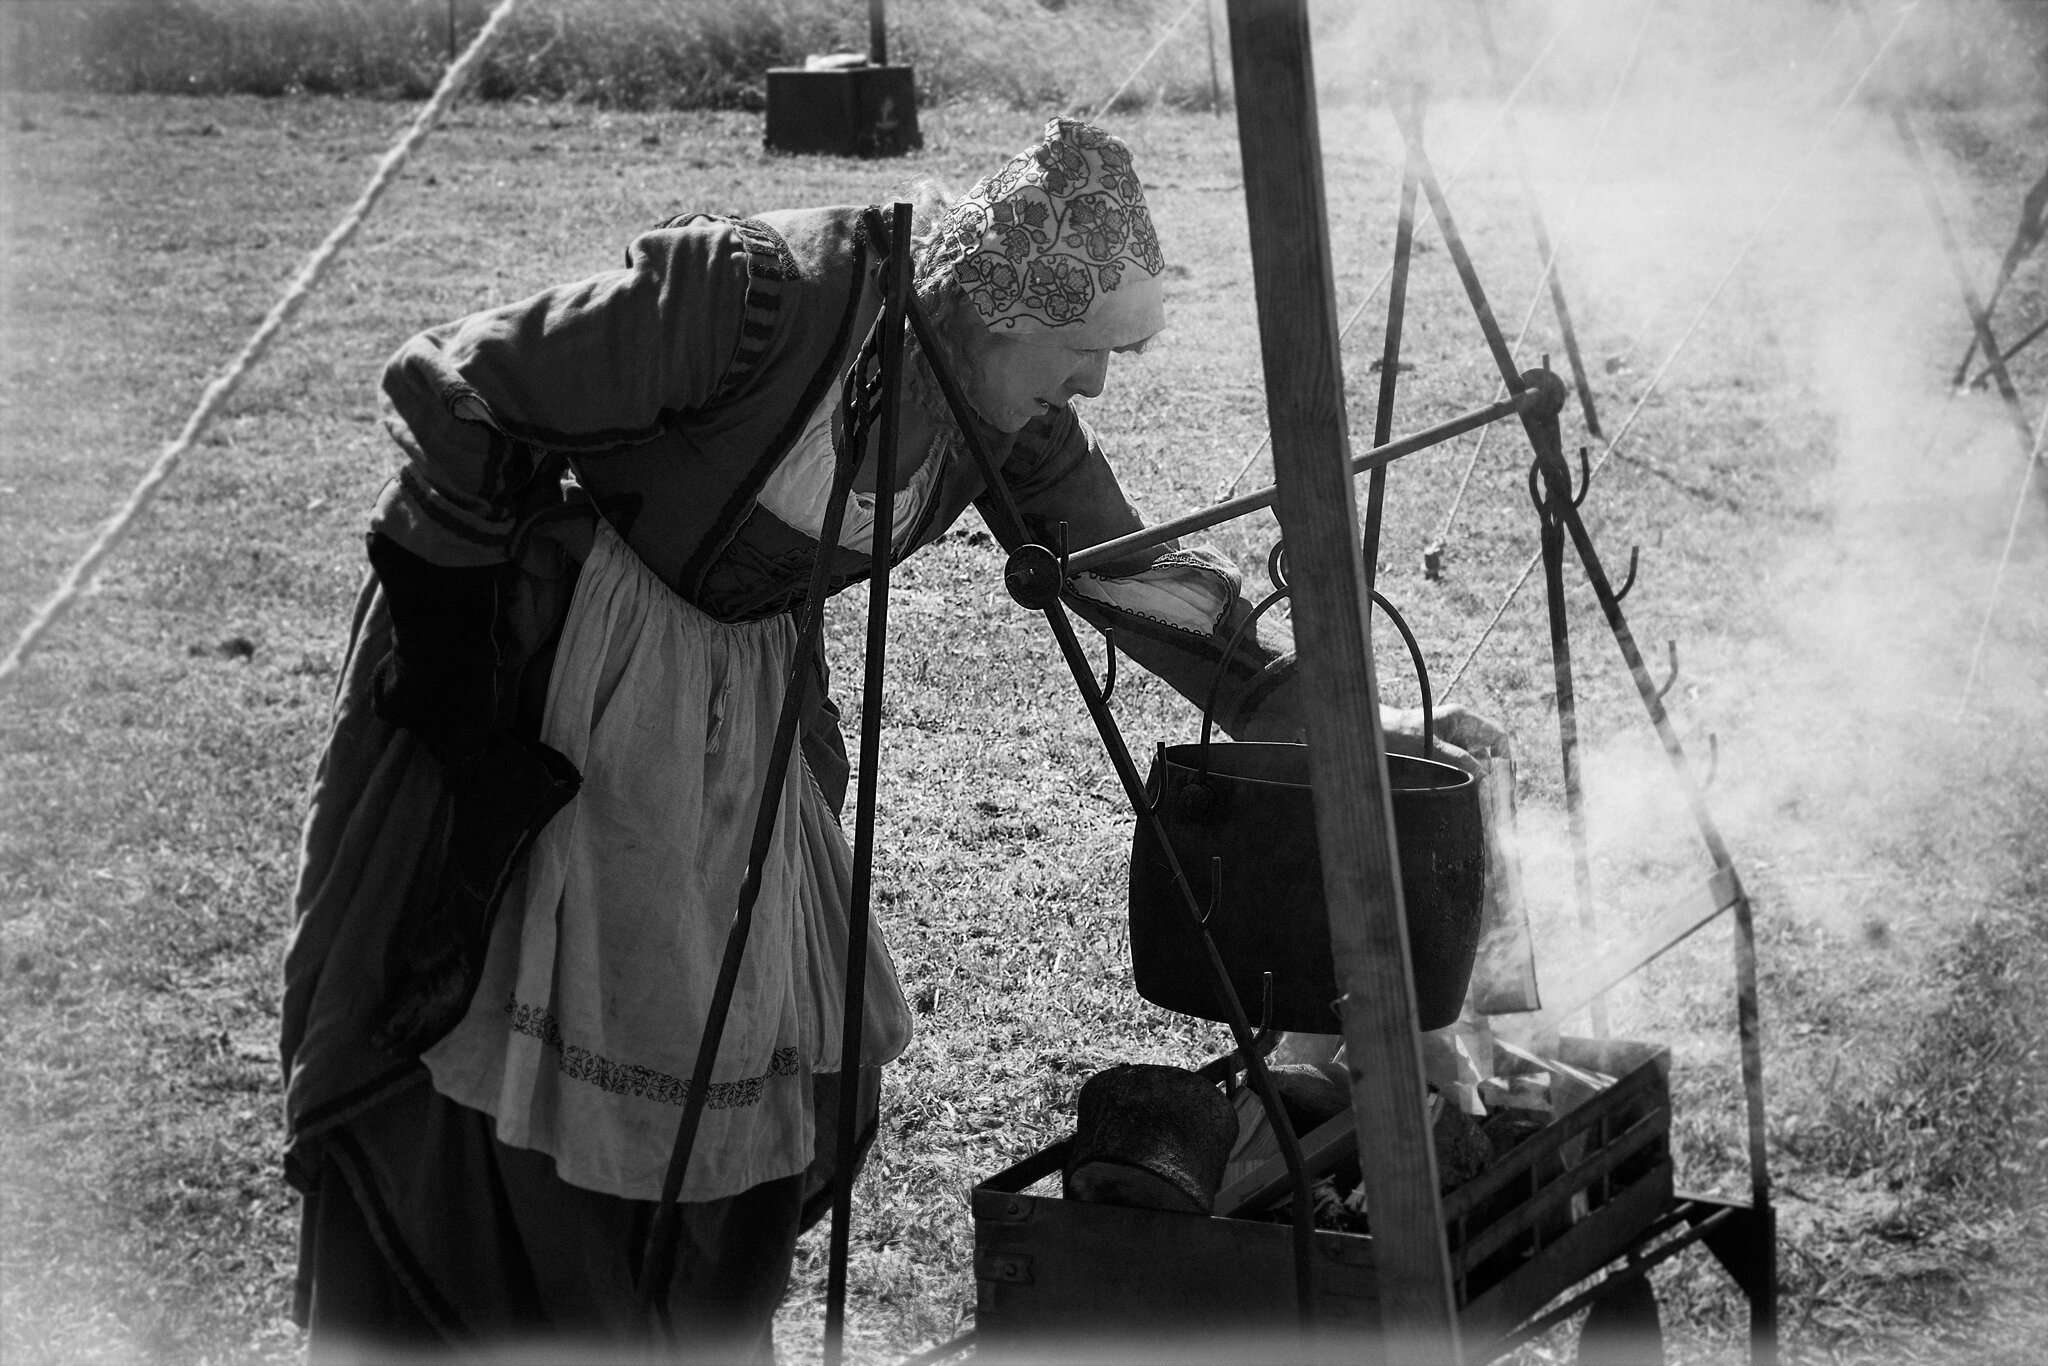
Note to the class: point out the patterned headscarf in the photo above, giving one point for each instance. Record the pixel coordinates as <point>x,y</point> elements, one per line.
<point>1057,247</point>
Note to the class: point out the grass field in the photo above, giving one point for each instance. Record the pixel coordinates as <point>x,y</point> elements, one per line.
<point>628,54</point>
<point>1819,533</point>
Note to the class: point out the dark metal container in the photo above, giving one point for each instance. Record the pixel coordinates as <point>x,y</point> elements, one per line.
<point>860,111</point>
<point>1060,1280</point>
<point>1241,820</point>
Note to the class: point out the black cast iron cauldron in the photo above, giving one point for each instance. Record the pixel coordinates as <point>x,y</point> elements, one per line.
<point>1240,817</point>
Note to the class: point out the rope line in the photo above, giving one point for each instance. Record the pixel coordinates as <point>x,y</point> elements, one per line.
<point>1145,60</point>
<point>1229,490</point>
<point>2012,532</point>
<point>1565,226</point>
<point>1792,184</point>
<point>1498,612</point>
<point>223,387</point>
<point>1613,446</point>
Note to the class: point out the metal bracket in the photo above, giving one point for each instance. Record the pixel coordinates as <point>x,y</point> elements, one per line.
<point>1629,580</point>
<point>1670,679</point>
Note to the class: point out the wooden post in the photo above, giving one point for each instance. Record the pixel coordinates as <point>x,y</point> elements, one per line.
<point>878,34</point>
<point>1298,332</point>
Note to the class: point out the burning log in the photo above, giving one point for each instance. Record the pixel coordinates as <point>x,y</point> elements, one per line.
<point>1151,1138</point>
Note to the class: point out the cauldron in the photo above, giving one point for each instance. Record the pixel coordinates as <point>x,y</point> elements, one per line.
<point>1240,817</point>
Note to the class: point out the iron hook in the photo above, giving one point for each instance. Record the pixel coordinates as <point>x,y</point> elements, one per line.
<point>1629,580</point>
<point>1585,478</point>
<point>1671,680</point>
<point>1536,498</point>
<point>1215,889</point>
<point>1109,682</point>
<point>1276,566</point>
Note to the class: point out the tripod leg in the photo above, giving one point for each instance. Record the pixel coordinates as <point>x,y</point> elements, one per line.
<point>1568,733</point>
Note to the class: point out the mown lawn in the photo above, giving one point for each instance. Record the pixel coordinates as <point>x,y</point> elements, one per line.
<point>1820,550</point>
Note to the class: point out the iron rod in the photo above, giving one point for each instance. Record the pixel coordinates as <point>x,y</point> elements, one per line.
<point>1980,320</point>
<point>1545,251</point>
<point>1010,528</point>
<point>1411,132</point>
<point>1215,514</point>
<point>1590,978</point>
<point>1390,372</point>
<point>1980,316</point>
<point>1557,487</point>
<point>657,1260</point>
<point>1646,684</point>
<point>2026,236</point>
<point>1747,1009</point>
<point>881,553</point>
<point>2034,335</point>
<point>1303,1211</point>
<point>1634,1270</point>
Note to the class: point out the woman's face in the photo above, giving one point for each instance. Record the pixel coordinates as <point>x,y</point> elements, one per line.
<point>1010,382</point>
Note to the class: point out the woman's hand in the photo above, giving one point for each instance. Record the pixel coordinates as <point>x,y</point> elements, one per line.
<point>1274,712</point>
<point>1463,738</point>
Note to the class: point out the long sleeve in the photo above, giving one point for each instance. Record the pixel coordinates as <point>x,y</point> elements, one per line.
<point>1174,610</point>
<point>478,404</point>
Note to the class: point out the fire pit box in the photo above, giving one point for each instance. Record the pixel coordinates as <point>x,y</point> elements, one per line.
<point>1560,1205</point>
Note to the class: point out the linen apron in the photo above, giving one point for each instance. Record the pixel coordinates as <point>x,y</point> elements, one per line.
<point>584,1030</point>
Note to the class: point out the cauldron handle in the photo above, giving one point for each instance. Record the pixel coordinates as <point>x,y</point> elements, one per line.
<point>1276,567</point>
<point>1421,673</point>
<point>1223,666</point>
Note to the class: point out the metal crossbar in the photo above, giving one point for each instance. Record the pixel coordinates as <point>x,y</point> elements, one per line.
<point>1567,222</point>
<point>1613,446</point>
<point>1479,143</point>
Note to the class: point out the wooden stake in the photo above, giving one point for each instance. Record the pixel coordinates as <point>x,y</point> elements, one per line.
<point>1298,332</point>
<point>1216,85</point>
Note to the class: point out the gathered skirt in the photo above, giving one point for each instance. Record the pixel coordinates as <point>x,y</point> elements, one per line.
<point>584,1030</point>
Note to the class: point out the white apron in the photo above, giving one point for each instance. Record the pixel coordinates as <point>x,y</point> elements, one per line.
<point>584,1030</point>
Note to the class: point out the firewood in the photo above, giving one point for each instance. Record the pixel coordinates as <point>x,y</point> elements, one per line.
<point>1150,1137</point>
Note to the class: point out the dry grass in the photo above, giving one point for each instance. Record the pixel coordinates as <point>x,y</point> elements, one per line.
<point>152,779</point>
<point>632,54</point>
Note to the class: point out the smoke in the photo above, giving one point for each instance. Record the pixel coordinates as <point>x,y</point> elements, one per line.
<point>1806,423</point>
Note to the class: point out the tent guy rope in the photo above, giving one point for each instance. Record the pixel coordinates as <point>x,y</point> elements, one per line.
<point>1792,183</point>
<point>1565,225</point>
<point>2012,532</point>
<point>1479,144</point>
<point>1145,61</point>
<point>217,394</point>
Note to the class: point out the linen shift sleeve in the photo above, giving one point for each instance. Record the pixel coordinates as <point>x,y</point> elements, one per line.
<point>1174,610</point>
<point>478,404</point>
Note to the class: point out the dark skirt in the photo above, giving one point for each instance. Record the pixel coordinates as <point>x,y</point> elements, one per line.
<point>425,1235</point>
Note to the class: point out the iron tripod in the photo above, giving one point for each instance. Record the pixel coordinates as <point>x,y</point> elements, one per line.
<point>1742,1237</point>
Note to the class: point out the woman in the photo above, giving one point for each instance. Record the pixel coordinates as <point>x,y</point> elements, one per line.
<point>562,681</point>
